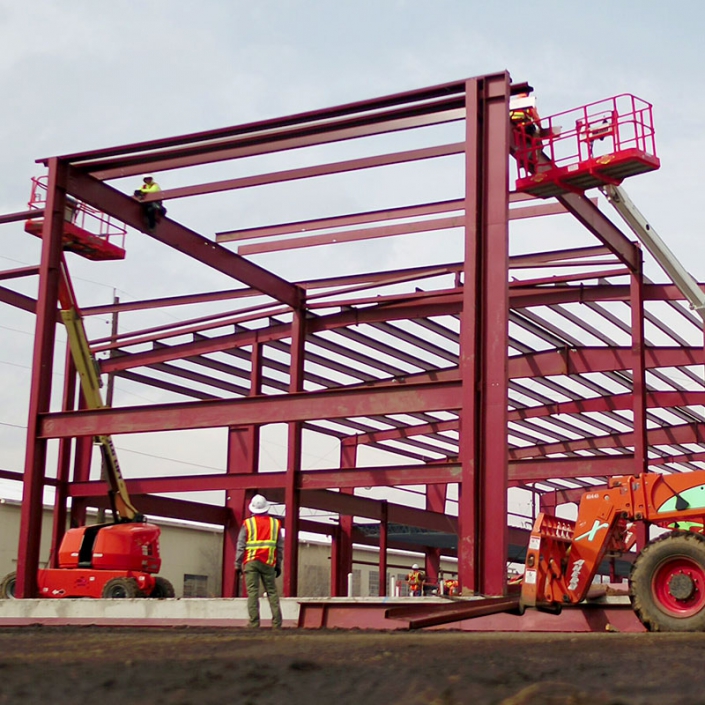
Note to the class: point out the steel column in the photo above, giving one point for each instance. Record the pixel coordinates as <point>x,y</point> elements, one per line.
<point>483,539</point>
<point>383,544</point>
<point>63,465</point>
<point>435,502</point>
<point>343,538</point>
<point>292,500</point>
<point>40,393</point>
<point>639,399</point>
<point>243,457</point>
<point>81,470</point>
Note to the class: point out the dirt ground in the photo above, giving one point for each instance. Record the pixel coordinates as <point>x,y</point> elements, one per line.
<point>191,666</point>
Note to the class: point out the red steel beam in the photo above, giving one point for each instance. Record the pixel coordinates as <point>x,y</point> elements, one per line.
<point>421,226</point>
<point>429,93</point>
<point>18,273</point>
<point>276,141</point>
<point>128,210</point>
<point>613,402</point>
<point>26,303</point>
<point>301,226</point>
<point>305,480</point>
<point>309,172</point>
<point>553,468</point>
<point>371,233</point>
<point>21,215</point>
<point>601,227</point>
<point>670,435</point>
<point>261,410</point>
<point>383,312</point>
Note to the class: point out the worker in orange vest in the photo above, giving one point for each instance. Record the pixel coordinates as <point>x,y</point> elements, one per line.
<point>259,555</point>
<point>416,579</point>
<point>451,587</point>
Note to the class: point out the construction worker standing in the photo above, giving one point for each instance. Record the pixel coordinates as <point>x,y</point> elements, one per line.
<point>153,210</point>
<point>416,579</point>
<point>526,129</point>
<point>259,554</point>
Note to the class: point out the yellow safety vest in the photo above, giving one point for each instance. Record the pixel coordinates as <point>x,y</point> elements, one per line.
<point>262,537</point>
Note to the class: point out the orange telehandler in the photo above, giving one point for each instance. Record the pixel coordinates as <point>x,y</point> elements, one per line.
<point>113,560</point>
<point>667,580</point>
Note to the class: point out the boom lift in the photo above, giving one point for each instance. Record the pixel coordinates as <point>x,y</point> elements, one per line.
<point>606,142</point>
<point>112,560</point>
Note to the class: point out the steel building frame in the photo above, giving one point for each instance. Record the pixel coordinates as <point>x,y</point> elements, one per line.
<point>477,374</point>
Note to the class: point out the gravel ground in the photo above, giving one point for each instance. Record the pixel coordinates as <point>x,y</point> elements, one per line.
<point>190,666</point>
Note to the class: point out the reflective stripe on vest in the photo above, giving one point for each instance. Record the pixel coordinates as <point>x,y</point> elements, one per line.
<point>261,542</point>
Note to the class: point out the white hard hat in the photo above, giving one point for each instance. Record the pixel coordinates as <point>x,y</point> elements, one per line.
<point>147,176</point>
<point>259,505</point>
<point>415,566</point>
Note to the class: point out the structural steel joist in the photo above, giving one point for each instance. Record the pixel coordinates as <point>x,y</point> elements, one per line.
<point>548,370</point>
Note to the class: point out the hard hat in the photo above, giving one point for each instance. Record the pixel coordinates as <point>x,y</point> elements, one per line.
<point>259,505</point>
<point>147,176</point>
<point>415,566</point>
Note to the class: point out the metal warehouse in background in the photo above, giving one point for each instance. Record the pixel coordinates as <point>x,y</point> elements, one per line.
<point>506,368</point>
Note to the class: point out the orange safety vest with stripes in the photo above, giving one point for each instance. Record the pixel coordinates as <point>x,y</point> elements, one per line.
<point>261,541</point>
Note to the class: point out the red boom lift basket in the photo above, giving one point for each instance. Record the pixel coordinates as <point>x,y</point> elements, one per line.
<point>87,231</point>
<point>596,144</point>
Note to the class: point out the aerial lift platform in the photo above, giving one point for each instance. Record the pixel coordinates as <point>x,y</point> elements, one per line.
<point>119,559</point>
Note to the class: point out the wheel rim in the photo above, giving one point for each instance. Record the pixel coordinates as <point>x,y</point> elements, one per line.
<point>679,586</point>
<point>118,591</point>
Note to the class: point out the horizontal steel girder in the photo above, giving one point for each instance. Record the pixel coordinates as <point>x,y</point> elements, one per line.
<point>260,410</point>
<point>108,200</point>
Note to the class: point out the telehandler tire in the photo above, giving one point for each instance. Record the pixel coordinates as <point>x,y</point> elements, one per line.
<point>120,588</point>
<point>667,583</point>
<point>7,586</point>
<point>162,589</point>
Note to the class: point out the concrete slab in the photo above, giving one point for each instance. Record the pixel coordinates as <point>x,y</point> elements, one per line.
<point>611,614</point>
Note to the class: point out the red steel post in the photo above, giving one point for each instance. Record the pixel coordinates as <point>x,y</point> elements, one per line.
<point>63,465</point>
<point>40,392</point>
<point>292,499</point>
<point>383,543</point>
<point>243,457</point>
<point>81,471</point>
<point>342,565</point>
<point>639,370</point>
<point>483,540</point>
<point>435,502</point>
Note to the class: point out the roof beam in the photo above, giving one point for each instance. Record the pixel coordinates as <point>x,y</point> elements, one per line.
<point>108,200</point>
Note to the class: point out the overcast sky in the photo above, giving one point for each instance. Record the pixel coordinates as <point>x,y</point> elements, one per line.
<point>84,74</point>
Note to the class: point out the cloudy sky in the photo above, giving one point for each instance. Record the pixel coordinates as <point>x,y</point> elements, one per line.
<point>79,74</point>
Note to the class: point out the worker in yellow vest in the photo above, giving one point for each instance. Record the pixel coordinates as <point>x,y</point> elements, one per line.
<point>154,211</point>
<point>259,554</point>
<point>526,129</point>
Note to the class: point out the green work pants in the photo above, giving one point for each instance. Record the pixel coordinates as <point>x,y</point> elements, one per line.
<point>254,572</point>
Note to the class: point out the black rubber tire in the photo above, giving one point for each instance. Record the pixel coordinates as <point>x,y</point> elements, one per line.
<point>120,588</point>
<point>650,592</point>
<point>162,589</point>
<point>7,586</point>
